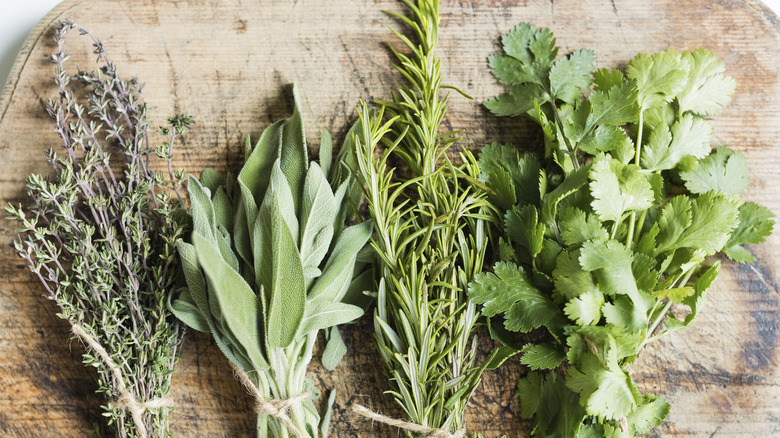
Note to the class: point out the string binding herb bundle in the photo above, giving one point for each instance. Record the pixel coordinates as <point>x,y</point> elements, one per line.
<point>103,244</point>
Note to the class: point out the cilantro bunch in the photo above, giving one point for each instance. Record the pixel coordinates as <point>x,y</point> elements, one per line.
<point>270,264</point>
<point>607,235</point>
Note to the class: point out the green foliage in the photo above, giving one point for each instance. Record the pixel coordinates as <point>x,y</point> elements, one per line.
<point>579,255</point>
<point>268,266</point>
<point>431,225</point>
<point>101,238</point>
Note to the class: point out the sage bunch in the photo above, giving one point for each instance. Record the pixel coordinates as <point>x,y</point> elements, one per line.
<point>431,224</point>
<point>102,243</point>
<point>268,265</point>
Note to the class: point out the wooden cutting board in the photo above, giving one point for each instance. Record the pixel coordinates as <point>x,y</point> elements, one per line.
<point>229,63</point>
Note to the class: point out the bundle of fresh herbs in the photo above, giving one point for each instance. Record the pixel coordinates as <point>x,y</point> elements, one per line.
<point>431,239</point>
<point>607,235</point>
<point>269,264</point>
<point>103,243</point>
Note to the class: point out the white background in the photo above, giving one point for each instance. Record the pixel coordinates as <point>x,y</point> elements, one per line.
<point>18,17</point>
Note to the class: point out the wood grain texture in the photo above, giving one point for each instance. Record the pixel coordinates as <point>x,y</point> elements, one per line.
<point>229,62</point>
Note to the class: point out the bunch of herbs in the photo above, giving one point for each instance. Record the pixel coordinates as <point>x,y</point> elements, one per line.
<point>103,243</point>
<point>607,236</point>
<point>431,236</point>
<point>269,264</point>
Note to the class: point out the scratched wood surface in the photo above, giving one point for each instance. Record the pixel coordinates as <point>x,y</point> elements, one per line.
<point>228,64</point>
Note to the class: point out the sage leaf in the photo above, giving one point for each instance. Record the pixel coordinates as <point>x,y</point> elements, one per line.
<point>239,305</point>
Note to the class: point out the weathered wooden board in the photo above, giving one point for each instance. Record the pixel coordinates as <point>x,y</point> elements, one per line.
<point>228,63</point>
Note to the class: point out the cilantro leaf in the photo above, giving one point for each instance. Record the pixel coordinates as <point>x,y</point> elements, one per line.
<point>724,170</point>
<point>570,279</point>
<point>713,216</point>
<point>523,228</point>
<point>508,287</point>
<point>707,89</point>
<point>496,161</point>
<point>644,268</point>
<point>528,66</point>
<point>527,43</point>
<point>621,313</point>
<point>496,155</point>
<point>660,77</point>
<point>606,78</point>
<point>510,71</point>
<point>611,263</point>
<point>529,390</point>
<point>755,224</point>
<point>700,288</point>
<point>577,227</point>
<point>557,409</point>
<point>618,188</point>
<point>500,182</point>
<point>620,343</point>
<point>511,175</point>
<point>689,136</point>
<point>607,138</point>
<point>571,74</point>
<point>650,413</point>
<point>675,295</point>
<point>530,53</point>
<point>586,308</point>
<point>519,100</point>
<point>606,392</point>
<point>615,107</point>
<point>674,219</point>
<point>572,183</point>
<point>542,356</point>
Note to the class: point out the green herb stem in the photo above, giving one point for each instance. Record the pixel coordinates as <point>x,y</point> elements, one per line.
<point>572,153</point>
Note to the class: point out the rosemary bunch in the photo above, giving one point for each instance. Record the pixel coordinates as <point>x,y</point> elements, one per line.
<point>102,243</point>
<point>270,264</point>
<point>431,237</point>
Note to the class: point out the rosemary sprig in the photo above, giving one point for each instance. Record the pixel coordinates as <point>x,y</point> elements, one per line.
<point>431,237</point>
<point>103,244</point>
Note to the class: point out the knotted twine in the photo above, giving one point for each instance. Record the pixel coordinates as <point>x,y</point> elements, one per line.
<point>275,408</point>
<point>412,427</point>
<point>126,400</point>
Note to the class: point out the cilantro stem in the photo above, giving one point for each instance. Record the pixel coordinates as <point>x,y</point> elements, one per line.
<point>632,220</point>
<point>630,235</point>
<point>639,137</point>
<point>655,324</point>
<point>641,223</point>
<point>681,280</point>
<point>569,147</point>
<point>615,227</point>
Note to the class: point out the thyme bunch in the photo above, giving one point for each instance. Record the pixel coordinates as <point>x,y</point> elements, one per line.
<point>431,237</point>
<point>102,243</point>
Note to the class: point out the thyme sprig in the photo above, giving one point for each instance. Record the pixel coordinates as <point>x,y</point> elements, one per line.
<point>102,243</point>
<point>431,237</point>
